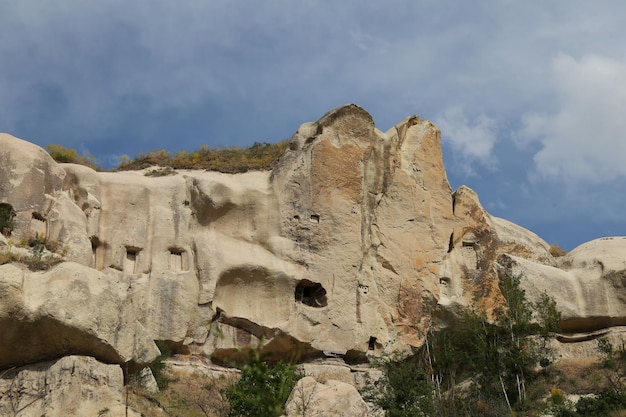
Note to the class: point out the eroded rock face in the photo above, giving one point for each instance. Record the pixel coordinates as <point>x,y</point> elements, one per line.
<point>70,386</point>
<point>70,309</point>
<point>469,273</point>
<point>589,287</point>
<point>353,245</point>
<point>358,205</point>
<point>330,398</point>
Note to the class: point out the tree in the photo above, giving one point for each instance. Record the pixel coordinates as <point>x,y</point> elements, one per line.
<point>402,391</point>
<point>262,389</point>
<point>498,355</point>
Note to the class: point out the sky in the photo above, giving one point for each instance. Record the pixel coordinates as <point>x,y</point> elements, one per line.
<point>530,96</point>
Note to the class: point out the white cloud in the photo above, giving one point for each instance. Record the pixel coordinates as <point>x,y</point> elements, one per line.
<point>584,137</point>
<point>472,140</point>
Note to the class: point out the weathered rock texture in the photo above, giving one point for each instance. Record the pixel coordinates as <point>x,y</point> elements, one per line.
<point>353,245</point>
<point>70,386</point>
<point>329,399</point>
<point>70,309</point>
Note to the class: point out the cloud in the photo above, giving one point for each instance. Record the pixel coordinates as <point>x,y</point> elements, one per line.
<point>582,138</point>
<point>472,140</point>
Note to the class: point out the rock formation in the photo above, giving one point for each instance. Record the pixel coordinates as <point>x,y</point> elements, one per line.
<point>330,399</point>
<point>353,245</point>
<point>70,386</point>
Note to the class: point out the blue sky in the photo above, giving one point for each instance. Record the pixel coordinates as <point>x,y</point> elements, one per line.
<point>530,96</point>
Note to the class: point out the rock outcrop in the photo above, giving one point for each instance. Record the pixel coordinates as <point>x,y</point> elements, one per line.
<point>353,245</point>
<point>329,399</point>
<point>69,310</point>
<point>589,286</point>
<point>70,386</point>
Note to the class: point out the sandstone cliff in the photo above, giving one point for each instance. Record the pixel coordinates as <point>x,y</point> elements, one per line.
<point>354,244</point>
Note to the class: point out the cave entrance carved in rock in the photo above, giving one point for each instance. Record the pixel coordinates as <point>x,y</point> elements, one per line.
<point>311,294</point>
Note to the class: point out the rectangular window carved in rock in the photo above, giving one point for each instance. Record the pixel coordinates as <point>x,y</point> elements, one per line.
<point>177,260</point>
<point>371,344</point>
<point>130,261</point>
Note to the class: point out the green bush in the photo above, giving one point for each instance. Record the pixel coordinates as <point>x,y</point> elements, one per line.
<point>403,390</point>
<point>7,214</point>
<point>159,363</point>
<point>604,404</point>
<point>262,389</point>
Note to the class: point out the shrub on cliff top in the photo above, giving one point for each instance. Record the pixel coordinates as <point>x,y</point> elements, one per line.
<point>259,156</point>
<point>66,155</point>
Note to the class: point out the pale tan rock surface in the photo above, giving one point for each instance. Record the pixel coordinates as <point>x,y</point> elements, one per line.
<point>70,386</point>
<point>353,200</point>
<point>589,288</point>
<point>70,309</point>
<point>353,245</point>
<point>345,248</point>
<point>469,276</point>
<point>329,399</point>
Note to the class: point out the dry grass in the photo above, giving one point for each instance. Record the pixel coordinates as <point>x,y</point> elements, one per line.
<point>189,394</point>
<point>260,156</point>
<point>578,376</point>
<point>557,251</point>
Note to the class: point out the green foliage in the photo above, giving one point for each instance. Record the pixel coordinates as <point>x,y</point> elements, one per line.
<point>403,390</point>
<point>262,389</point>
<point>603,404</point>
<point>614,361</point>
<point>159,363</point>
<point>548,318</point>
<point>499,357</point>
<point>259,156</point>
<point>37,244</point>
<point>7,214</point>
<point>66,155</point>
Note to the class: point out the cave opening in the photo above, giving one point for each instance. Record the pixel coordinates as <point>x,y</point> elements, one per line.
<point>371,344</point>
<point>311,294</point>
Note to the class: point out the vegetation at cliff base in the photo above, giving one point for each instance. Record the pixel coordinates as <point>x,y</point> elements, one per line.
<point>480,367</point>
<point>611,400</point>
<point>258,389</point>
<point>263,389</point>
<point>159,363</point>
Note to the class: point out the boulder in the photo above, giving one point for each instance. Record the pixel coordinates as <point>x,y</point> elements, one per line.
<point>70,309</point>
<point>70,386</point>
<point>329,399</point>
